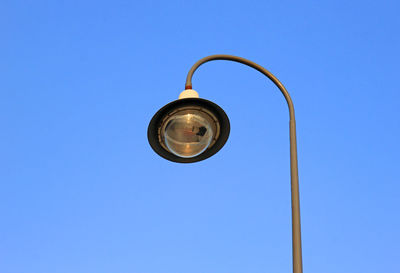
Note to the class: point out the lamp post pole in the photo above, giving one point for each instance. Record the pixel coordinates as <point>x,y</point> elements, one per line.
<point>296,229</point>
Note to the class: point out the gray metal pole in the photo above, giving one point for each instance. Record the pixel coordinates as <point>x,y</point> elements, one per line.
<point>296,229</point>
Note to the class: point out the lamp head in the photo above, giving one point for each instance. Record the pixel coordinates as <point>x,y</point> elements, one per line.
<point>189,129</point>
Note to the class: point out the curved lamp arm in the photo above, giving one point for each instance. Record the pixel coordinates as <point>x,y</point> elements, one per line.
<point>296,229</point>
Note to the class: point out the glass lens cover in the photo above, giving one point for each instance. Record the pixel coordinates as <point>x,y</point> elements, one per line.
<point>187,135</point>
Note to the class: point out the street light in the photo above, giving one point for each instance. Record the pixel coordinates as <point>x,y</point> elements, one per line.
<point>192,129</point>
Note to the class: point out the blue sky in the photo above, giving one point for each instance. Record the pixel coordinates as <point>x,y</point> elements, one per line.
<point>81,190</point>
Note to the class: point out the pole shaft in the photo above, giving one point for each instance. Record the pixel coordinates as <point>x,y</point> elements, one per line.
<point>296,229</point>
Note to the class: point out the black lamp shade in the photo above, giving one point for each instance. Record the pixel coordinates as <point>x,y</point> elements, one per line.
<point>207,111</point>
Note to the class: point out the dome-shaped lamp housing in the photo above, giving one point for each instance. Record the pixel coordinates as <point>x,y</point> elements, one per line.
<point>188,130</point>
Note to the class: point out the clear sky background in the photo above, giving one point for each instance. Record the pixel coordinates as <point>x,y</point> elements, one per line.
<point>81,191</point>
